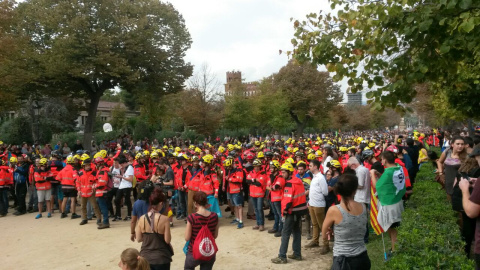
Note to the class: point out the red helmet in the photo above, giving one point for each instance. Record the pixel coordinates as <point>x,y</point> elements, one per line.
<point>392,148</point>
<point>250,155</point>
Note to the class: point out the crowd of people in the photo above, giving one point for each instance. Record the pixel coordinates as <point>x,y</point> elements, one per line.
<point>322,184</point>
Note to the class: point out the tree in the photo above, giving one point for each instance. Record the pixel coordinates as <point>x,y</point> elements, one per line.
<point>310,93</point>
<point>395,45</point>
<point>339,117</point>
<point>238,108</point>
<point>86,47</point>
<point>119,117</point>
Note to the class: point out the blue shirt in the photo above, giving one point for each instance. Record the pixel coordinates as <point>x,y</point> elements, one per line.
<point>140,208</point>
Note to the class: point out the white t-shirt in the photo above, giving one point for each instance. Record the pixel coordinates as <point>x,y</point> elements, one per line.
<point>116,177</point>
<point>363,175</point>
<point>325,162</point>
<point>124,183</point>
<point>318,191</point>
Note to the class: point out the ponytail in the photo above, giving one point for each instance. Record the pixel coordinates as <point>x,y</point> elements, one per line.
<point>142,264</point>
<point>131,257</point>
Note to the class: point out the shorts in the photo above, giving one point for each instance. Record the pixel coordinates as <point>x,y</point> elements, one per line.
<point>44,195</point>
<point>237,199</point>
<point>69,192</point>
<point>395,225</point>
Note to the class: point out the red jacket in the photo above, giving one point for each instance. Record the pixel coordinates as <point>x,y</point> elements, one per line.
<point>67,177</point>
<point>235,179</point>
<point>85,183</point>
<point>140,172</point>
<point>277,188</point>
<point>41,182</point>
<point>6,177</point>
<point>294,199</point>
<point>195,180</point>
<point>258,183</point>
<point>209,183</point>
<point>102,182</point>
<point>178,183</point>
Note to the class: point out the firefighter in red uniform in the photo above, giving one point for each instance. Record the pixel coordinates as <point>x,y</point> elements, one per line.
<point>42,183</point>
<point>182,176</point>
<point>294,205</point>
<point>67,177</point>
<point>5,180</point>
<point>194,183</point>
<point>85,185</point>
<point>140,173</point>
<point>257,179</point>
<point>276,193</point>
<point>55,165</point>
<point>209,184</point>
<point>235,176</point>
<point>102,186</point>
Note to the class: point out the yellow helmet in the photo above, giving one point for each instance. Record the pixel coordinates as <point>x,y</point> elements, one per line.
<point>198,150</point>
<point>352,147</point>
<point>287,167</point>
<point>165,147</point>
<point>289,160</point>
<point>371,145</point>
<point>230,147</point>
<point>335,163</point>
<point>311,156</point>
<point>238,147</point>
<point>227,162</point>
<point>221,149</point>
<point>301,162</point>
<point>84,157</point>
<point>260,155</point>
<point>319,153</point>
<point>343,149</point>
<point>77,157</point>
<point>195,158</point>
<point>43,162</point>
<point>257,143</point>
<point>70,159</point>
<point>103,153</point>
<point>191,147</point>
<point>138,156</point>
<point>13,160</point>
<point>275,164</point>
<point>207,159</point>
<point>295,150</point>
<point>289,149</point>
<point>98,154</point>
<point>146,153</point>
<point>154,154</point>
<point>178,149</point>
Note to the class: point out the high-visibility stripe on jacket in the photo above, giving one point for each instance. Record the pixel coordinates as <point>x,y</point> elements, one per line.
<point>41,182</point>
<point>195,180</point>
<point>85,182</point>
<point>55,167</point>
<point>278,183</point>
<point>140,172</point>
<point>294,199</point>
<point>67,177</point>
<point>235,179</point>
<point>209,183</point>
<point>257,191</point>
<point>102,182</point>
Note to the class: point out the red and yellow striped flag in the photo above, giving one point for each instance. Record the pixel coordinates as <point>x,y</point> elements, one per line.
<point>374,212</point>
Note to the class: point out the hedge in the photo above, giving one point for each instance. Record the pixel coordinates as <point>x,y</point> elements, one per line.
<point>429,237</point>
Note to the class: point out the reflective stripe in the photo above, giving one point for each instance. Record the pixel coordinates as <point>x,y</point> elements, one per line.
<point>299,208</point>
<point>277,198</point>
<point>257,194</point>
<point>287,195</point>
<point>299,195</point>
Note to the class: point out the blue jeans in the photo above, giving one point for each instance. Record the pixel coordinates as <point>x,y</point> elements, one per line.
<point>292,225</point>
<point>3,201</point>
<point>33,198</point>
<point>182,203</point>
<point>276,209</point>
<point>102,203</point>
<point>258,205</point>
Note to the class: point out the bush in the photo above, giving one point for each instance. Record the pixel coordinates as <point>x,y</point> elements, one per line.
<point>141,131</point>
<point>16,131</point>
<point>429,237</point>
<point>70,138</point>
<point>160,135</point>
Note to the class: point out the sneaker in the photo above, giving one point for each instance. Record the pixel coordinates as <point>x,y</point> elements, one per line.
<point>295,257</point>
<point>63,215</point>
<point>261,228</point>
<point>103,226</point>
<point>278,234</point>
<point>74,216</point>
<point>279,260</point>
<point>49,215</point>
<point>272,231</point>
<point>325,250</point>
<point>240,225</point>
<point>127,218</point>
<point>116,218</point>
<point>311,245</point>
<point>38,216</point>
<point>256,227</point>
<point>99,221</point>
<point>84,222</point>
<point>234,221</point>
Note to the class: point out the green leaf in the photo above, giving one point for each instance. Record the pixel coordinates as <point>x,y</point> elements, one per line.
<point>370,95</point>
<point>451,4</point>
<point>444,49</point>
<point>378,81</point>
<point>442,21</point>
<point>410,19</point>
<point>423,69</point>
<point>465,4</point>
<point>468,25</point>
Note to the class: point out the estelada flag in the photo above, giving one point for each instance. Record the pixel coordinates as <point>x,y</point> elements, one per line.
<point>374,212</point>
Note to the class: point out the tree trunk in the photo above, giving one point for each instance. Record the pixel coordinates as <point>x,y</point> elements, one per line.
<point>90,123</point>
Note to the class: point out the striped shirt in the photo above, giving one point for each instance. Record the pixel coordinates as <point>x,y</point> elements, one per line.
<point>197,222</point>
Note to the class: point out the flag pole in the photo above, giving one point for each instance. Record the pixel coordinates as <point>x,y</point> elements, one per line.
<point>384,252</point>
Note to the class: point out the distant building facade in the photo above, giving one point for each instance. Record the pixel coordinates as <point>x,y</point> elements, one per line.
<point>104,111</point>
<point>354,98</point>
<point>234,77</point>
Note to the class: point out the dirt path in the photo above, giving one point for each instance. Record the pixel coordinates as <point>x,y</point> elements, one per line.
<point>54,243</point>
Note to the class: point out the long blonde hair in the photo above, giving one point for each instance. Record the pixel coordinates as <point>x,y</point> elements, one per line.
<point>131,257</point>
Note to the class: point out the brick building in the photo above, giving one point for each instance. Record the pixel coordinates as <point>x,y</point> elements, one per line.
<point>236,77</point>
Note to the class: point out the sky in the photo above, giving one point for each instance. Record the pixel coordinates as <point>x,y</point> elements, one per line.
<point>243,35</point>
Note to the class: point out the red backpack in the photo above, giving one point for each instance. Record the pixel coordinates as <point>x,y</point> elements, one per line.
<point>204,247</point>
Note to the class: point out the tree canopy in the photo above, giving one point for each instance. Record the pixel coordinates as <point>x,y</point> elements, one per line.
<point>83,48</point>
<point>392,46</point>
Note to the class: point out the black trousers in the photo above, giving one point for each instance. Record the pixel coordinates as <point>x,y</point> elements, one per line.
<point>110,194</point>
<point>123,193</point>
<point>21,194</point>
